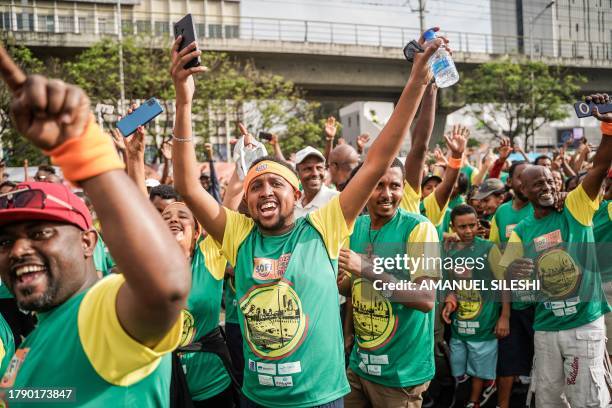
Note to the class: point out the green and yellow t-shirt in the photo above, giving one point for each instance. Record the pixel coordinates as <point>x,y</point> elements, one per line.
<point>289,308</point>
<point>82,345</point>
<point>471,173</point>
<point>7,344</point>
<point>231,303</point>
<point>602,229</point>
<point>562,247</point>
<point>477,310</point>
<point>428,207</point>
<point>102,259</point>
<point>505,219</point>
<point>394,343</point>
<point>205,373</point>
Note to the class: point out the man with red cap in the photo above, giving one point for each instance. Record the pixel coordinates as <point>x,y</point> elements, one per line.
<point>97,342</point>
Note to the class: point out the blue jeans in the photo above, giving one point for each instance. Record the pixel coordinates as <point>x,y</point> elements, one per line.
<point>339,403</point>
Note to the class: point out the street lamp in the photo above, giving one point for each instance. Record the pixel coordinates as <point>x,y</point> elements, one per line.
<point>531,43</point>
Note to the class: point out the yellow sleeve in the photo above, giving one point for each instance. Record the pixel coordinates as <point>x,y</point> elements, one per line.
<point>410,199</point>
<point>610,210</point>
<point>494,232</point>
<point>475,174</point>
<point>213,257</point>
<point>581,206</point>
<point>329,221</point>
<point>494,259</point>
<point>113,353</point>
<point>237,227</point>
<point>2,351</point>
<point>514,250</point>
<point>423,243</point>
<point>433,210</point>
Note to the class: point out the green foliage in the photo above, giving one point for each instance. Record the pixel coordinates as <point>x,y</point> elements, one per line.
<point>523,96</point>
<point>16,149</point>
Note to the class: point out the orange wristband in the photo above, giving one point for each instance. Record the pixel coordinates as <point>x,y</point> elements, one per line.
<point>455,163</point>
<point>606,128</point>
<point>87,156</point>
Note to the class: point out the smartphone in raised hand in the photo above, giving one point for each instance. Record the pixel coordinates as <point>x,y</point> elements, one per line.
<point>585,109</point>
<point>265,136</point>
<point>185,27</point>
<point>140,117</point>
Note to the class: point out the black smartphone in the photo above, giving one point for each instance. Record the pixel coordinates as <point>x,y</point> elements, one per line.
<point>185,27</point>
<point>265,136</point>
<point>585,109</point>
<point>411,49</point>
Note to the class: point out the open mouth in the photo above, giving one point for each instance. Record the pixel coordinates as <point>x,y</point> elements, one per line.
<point>27,276</point>
<point>268,208</point>
<point>386,205</point>
<point>547,198</point>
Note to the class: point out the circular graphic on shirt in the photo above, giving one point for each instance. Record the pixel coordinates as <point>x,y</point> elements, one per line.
<point>469,304</point>
<point>274,321</point>
<point>558,272</point>
<point>373,317</point>
<point>189,329</point>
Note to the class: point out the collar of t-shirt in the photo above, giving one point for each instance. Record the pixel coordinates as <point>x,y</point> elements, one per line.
<point>323,196</point>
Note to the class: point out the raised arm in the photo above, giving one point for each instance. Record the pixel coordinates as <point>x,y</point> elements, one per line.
<point>505,148</point>
<point>601,162</point>
<point>56,117</point>
<point>330,133</point>
<point>215,187</point>
<point>278,152</point>
<point>134,154</point>
<point>420,138</point>
<point>386,146</point>
<point>456,144</point>
<point>184,164</point>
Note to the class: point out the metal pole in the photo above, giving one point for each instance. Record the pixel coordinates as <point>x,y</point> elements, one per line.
<point>422,15</point>
<point>121,77</point>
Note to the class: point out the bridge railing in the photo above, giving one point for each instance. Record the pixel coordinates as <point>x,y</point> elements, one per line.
<point>89,22</point>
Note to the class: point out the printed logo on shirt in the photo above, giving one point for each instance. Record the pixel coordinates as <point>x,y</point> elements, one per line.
<point>469,304</point>
<point>267,269</point>
<point>373,317</point>
<point>13,368</point>
<point>275,324</point>
<point>189,330</point>
<point>509,229</point>
<point>546,241</point>
<point>558,272</point>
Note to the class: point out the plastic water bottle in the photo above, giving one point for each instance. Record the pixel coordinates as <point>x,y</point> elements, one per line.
<point>441,64</point>
<point>244,156</point>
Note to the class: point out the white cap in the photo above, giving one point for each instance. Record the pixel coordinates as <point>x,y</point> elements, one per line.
<point>308,151</point>
<point>151,182</point>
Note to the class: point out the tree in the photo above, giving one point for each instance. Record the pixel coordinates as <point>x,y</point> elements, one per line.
<point>516,99</point>
<point>16,149</point>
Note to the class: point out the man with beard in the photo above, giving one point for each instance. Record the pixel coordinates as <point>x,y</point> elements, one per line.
<point>98,342</point>
<point>557,248</point>
<point>286,268</point>
<point>310,165</point>
<point>515,354</point>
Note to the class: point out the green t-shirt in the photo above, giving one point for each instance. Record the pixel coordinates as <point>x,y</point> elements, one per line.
<point>470,172</point>
<point>102,258</point>
<point>81,345</point>
<point>602,229</point>
<point>231,303</point>
<point>477,310</point>
<point>4,291</point>
<point>503,223</point>
<point>205,373</point>
<point>394,343</point>
<point>7,345</point>
<point>562,247</point>
<point>289,308</point>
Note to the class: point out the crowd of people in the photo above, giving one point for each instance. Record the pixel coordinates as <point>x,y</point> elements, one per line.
<point>264,290</point>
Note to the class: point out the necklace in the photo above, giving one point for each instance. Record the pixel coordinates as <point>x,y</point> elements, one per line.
<point>372,241</point>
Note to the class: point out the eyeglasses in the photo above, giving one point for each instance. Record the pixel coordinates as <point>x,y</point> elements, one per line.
<point>32,198</point>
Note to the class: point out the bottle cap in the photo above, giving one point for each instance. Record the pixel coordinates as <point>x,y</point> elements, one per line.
<point>429,35</point>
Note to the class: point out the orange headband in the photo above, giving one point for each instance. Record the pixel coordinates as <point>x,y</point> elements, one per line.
<point>268,166</point>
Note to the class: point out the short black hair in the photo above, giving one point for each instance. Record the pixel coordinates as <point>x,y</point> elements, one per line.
<point>515,164</point>
<point>396,163</point>
<point>543,156</point>
<point>462,184</point>
<point>8,183</point>
<point>462,209</point>
<point>165,192</point>
<point>275,160</point>
<point>48,168</point>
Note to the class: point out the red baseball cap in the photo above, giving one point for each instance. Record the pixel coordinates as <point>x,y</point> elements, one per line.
<point>46,201</point>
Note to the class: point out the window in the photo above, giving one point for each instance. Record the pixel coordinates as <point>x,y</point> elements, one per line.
<point>215,31</point>
<point>46,24</point>
<point>231,31</point>
<point>25,21</point>
<point>577,27</point>
<point>143,27</point>
<point>5,21</point>
<point>83,26</point>
<point>161,27</point>
<point>127,27</point>
<point>200,30</point>
<point>65,24</point>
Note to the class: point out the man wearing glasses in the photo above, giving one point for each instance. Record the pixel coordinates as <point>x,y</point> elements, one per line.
<point>97,342</point>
